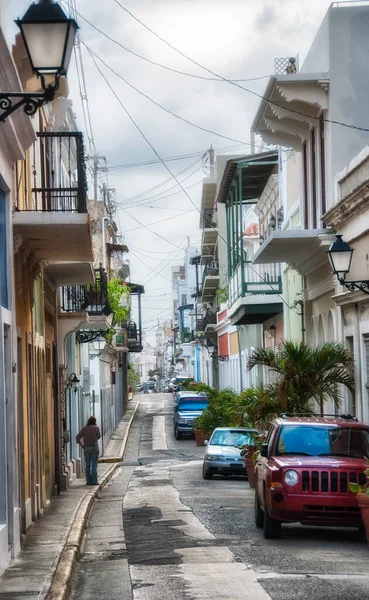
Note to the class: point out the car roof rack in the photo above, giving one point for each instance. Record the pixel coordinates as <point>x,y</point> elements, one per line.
<point>346,417</point>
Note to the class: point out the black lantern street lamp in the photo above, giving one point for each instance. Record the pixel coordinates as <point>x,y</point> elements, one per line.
<point>48,35</point>
<point>340,256</point>
<point>73,382</point>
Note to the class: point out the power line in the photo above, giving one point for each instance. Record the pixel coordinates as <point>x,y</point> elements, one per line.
<point>156,63</point>
<point>130,200</point>
<point>234,83</point>
<point>169,171</point>
<point>174,158</point>
<point>162,220</point>
<point>167,110</point>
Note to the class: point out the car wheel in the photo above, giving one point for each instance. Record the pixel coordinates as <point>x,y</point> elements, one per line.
<point>272,527</point>
<point>259,513</point>
<point>205,472</point>
<point>177,434</point>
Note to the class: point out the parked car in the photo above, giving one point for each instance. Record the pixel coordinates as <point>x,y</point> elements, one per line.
<point>139,387</point>
<point>304,470</point>
<point>170,384</point>
<point>222,454</point>
<point>189,406</point>
<point>149,387</point>
<point>178,384</point>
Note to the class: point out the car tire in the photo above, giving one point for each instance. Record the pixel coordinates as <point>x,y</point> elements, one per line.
<point>272,527</point>
<point>259,513</point>
<point>177,434</point>
<point>205,472</point>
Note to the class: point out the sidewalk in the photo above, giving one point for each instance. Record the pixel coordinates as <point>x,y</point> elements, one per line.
<point>29,576</point>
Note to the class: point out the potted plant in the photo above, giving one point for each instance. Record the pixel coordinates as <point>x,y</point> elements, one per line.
<point>219,412</point>
<point>250,453</point>
<point>362,496</point>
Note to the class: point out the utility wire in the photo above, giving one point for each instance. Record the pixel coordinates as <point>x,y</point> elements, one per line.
<point>234,83</point>
<point>131,199</point>
<point>156,63</point>
<point>171,173</point>
<point>167,110</point>
<point>174,158</point>
<point>163,220</point>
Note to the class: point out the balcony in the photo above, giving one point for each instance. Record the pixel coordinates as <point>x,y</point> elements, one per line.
<point>209,232</point>
<point>134,340</point>
<point>210,280</point>
<point>88,302</point>
<point>50,212</point>
<point>187,336</point>
<point>254,293</point>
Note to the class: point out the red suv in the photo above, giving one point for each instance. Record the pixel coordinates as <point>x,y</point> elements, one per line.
<point>304,469</point>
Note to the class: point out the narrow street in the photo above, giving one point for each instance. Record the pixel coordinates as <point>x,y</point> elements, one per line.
<point>159,531</point>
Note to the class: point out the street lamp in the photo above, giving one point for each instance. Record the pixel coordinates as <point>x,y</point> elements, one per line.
<point>48,35</point>
<point>340,256</point>
<point>97,347</point>
<point>73,382</point>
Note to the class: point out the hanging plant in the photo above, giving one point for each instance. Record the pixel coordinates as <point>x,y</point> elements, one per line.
<point>119,298</point>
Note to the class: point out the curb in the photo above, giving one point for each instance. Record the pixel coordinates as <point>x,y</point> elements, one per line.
<point>119,458</point>
<point>62,578</point>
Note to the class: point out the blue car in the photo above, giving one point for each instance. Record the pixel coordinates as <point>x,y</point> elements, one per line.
<point>189,406</point>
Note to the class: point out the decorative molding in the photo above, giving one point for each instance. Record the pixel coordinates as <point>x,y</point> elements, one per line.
<point>351,206</point>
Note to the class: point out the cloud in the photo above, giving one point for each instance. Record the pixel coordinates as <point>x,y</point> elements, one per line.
<point>237,38</point>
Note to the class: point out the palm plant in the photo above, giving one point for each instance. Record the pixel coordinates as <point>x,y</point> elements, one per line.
<point>304,374</point>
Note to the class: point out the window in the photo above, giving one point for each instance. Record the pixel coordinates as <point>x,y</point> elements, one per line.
<point>3,257</point>
<point>184,300</point>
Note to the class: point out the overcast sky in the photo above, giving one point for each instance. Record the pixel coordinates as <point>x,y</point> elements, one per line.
<point>238,39</point>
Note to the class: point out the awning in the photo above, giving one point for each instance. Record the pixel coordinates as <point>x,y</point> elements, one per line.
<point>256,171</point>
<point>255,314</point>
<point>302,249</point>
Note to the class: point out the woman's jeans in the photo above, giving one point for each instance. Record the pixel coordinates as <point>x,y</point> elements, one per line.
<point>91,456</point>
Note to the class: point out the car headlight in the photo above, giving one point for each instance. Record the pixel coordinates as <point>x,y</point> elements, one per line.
<point>214,457</point>
<point>291,477</point>
<point>182,421</point>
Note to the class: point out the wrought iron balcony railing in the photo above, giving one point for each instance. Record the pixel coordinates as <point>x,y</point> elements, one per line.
<point>211,269</point>
<point>90,298</point>
<point>53,177</point>
<point>209,219</point>
<point>210,319</point>
<point>133,337</point>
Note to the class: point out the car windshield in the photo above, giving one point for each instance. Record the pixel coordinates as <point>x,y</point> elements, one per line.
<point>190,404</point>
<point>232,438</point>
<point>323,440</point>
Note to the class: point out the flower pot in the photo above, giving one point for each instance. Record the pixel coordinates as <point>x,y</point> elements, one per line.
<point>363,502</point>
<point>250,468</point>
<point>200,437</point>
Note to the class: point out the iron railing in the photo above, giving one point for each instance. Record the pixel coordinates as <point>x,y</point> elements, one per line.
<point>210,318</point>
<point>90,298</point>
<point>53,177</point>
<point>209,218</point>
<point>133,336</point>
<point>211,269</point>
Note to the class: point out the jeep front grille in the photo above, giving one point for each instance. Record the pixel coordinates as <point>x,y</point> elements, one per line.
<point>330,481</point>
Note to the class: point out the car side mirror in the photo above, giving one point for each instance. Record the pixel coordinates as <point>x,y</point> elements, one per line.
<point>206,442</point>
<point>264,450</point>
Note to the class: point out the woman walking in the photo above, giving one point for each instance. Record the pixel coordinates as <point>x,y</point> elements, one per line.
<point>90,433</point>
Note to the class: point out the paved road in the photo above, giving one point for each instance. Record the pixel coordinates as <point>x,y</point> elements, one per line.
<point>160,532</point>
